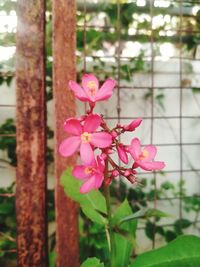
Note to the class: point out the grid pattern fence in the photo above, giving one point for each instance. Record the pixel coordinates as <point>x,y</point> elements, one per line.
<point>160,83</point>
<point>152,49</point>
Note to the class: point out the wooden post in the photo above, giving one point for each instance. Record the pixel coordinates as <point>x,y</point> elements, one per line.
<point>31,138</point>
<point>64,69</point>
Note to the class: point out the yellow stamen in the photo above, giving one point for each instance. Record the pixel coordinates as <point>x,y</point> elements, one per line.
<point>92,88</point>
<point>86,137</point>
<point>88,170</point>
<point>144,155</point>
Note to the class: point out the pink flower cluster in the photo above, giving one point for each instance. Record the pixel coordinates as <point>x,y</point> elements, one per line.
<point>96,142</point>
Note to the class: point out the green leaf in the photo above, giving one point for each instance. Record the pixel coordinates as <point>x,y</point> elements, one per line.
<point>72,186</point>
<point>93,203</point>
<point>170,235</point>
<point>181,224</point>
<point>125,238</point>
<point>52,259</point>
<point>124,249</point>
<point>144,213</point>
<point>92,262</point>
<point>151,229</point>
<point>160,99</point>
<point>6,208</point>
<point>183,251</point>
<point>195,90</point>
<point>93,215</point>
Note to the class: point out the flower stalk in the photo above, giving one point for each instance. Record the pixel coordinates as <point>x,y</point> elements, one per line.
<point>110,236</point>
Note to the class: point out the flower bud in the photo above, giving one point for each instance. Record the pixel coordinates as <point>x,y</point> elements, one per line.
<point>127,172</point>
<point>122,153</point>
<point>115,173</point>
<point>109,151</point>
<point>114,134</point>
<point>103,156</point>
<point>133,125</point>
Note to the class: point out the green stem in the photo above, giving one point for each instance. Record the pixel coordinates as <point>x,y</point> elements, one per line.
<point>110,234</point>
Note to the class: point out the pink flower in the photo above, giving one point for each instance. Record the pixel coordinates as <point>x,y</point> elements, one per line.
<point>122,153</point>
<point>133,125</point>
<point>84,137</point>
<point>92,174</point>
<point>144,158</point>
<point>90,92</point>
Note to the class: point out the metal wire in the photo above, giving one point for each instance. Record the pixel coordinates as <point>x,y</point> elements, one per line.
<point>180,122</point>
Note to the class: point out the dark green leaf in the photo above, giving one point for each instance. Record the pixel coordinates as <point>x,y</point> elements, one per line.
<point>196,90</point>
<point>181,224</point>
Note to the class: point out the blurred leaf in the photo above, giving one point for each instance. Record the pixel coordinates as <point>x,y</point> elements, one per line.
<point>160,99</point>
<point>170,235</point>
<point>181,224</point>
<point>151,229</point>
<point>6,208</point>
<point>144,213</point>
<point>196,90</point>
<point>52,259</point>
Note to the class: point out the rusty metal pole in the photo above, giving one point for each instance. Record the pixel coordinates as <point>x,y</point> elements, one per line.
<point>64,69</point>
<point>31,137</point>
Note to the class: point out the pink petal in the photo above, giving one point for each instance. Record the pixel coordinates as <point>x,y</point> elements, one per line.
<point>92,122</point>
<point>88,185</point>
<point>93,182</point>
<point>78,91</point>
<point>135,148</point>
<point>79,172</point>
<point>151,166</point>
<point>73,126</point>
<point>151,152</point>
<point>122,154</point>
<point>101,163</point>
<point>101,139</point>
<point>69,146</point>
<point>106,89</point>
<point>86,153</point>
<point>98,180</point>
<point>133,125</point>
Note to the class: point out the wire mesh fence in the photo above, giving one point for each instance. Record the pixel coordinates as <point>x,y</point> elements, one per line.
<point>147,47</point>
<point>152,49</point>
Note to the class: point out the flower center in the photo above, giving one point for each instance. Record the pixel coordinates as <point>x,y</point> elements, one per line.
<point>86,137</point>
<point>92,88</point>
<point>89,170</point>
<point>144,155</point>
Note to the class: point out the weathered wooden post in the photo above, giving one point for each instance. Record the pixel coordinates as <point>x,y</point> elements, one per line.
<point>31,139</point>
<point>64,69</point>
